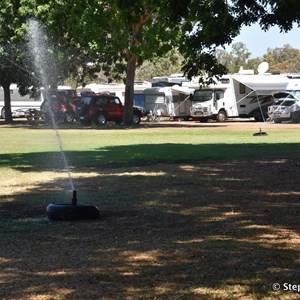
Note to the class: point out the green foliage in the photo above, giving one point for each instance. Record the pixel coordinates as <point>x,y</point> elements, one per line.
<point>160,66</point>
<point>236,58</point>
<point>282,59</point>
<point>283,13</point>
<point>15,67</point>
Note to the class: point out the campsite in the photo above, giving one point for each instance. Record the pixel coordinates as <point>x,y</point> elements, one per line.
<point>188,210</point>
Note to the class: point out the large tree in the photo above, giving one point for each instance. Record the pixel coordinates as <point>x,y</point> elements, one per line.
<point>14,65</point>
<point>121,34</point>
<point>124,33</point>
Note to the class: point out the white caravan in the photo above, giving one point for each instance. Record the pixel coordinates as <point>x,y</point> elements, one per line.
<point>238,95</point>
<point>19,104</point>
<point>168,101</point>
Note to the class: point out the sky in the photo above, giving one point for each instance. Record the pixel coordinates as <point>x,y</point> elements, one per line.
<point>258,41</point>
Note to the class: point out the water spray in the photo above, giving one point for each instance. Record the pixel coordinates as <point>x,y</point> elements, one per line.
<point>62,211</point>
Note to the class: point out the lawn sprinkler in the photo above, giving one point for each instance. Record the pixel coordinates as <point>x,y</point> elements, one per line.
<point>72,211</point>
<point>260,133</point>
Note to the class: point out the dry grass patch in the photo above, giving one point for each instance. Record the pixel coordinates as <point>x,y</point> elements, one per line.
<point>167,231</point>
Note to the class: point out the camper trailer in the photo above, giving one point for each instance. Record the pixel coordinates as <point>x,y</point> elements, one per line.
<point>168,101</point>
<point>241,95</point>
<point>19,104</point>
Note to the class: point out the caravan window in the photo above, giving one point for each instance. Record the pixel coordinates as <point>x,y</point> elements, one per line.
<point>242,88</point>
<point>219,95</point>
<point>203,95</point>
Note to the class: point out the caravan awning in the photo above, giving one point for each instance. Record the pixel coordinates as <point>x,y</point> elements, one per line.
<point>183,90</point>
<point>263,84</point>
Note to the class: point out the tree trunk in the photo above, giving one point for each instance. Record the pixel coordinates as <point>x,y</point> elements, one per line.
<point>129,90</point>
<point>7,103</point>
<point>133,30</point>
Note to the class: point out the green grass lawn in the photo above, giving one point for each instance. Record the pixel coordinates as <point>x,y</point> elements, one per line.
<point>187,212</point>
<point>144,145</point>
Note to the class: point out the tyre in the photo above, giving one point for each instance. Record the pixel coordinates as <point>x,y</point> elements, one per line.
<point>69,212</point>
<point>100,118</point>
<point>136,119</point>
<point>3,113</point>
<point>221,116</point>
<point>69,117</point>
<point>258,117</point>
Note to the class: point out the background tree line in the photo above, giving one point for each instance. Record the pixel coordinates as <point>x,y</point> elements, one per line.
<point>281,60</point>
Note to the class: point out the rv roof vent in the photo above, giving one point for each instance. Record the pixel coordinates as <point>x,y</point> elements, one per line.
<point>263,67</point>
<point>224,80</point>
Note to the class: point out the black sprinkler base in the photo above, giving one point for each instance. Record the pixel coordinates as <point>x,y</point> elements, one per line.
<point>71,212</point>
<point>260,133</point>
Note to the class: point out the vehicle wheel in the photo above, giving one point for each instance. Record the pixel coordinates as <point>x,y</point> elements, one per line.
<point>136,120</point>
<point>100,118</point>
<point>221,116</point>
<point>69,212</point>
<point>3,113</point>
<point>258,117</point>
<point>69,117</point>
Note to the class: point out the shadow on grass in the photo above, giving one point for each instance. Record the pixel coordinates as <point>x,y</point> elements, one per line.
<point>191,230</point>
<point>145,154</point>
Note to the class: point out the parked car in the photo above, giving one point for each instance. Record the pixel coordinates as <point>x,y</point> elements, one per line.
<point>283,108</point>
<point>61,106</point>
<point>103,108</point>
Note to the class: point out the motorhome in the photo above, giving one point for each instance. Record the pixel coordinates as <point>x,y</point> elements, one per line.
<point>168,101</point>
<point>239,95</point>
<point>19,104</point>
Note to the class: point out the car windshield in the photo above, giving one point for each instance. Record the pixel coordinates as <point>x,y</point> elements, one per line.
<point>203,95</point>
<point>296,94</point>
<point>114,101</point>
<point>285,102</point>
<point>85,100</point>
